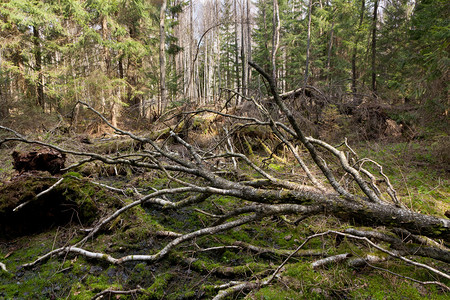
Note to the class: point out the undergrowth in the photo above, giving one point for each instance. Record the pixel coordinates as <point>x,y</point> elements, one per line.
<point>188,273</point>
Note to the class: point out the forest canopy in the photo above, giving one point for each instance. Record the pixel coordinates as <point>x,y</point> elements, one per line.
<point>54,53</point>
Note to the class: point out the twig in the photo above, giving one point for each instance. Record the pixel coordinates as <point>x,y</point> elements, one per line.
<point>235,289</point>
<point>218,248</point>
<point>3,267</point>
<point>231,148</point>
<point>262,250</point>
<point>390,189</point>
<point>409,278</point>
<point>39,195</point>
<point>207,213</point>
<point>115,292</point>
<point>257,284</point>
<point>348,168</point>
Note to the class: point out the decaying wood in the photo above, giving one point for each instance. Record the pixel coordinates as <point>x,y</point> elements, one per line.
<point>45,159</point>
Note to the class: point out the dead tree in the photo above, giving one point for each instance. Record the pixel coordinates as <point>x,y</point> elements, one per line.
<point>265,197</point>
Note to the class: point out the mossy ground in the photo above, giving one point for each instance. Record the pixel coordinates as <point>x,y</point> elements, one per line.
<point>189,274</point>
<point>419,170</point>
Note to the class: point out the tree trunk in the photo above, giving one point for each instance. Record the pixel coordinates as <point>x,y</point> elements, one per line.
<point>106,56</point>
<point>308,42</point>
<point>374,47</point>
<point>249,42</point>
<point>275,38</point>
<point>191,53</point>
<point>38,61</point>
<point>4,110</point>
<point>330,48</point>
<point>162,58</point>
<point>236,52</point>
<point>355,48</point>
<point>4,92</point>
<point>244,48</point>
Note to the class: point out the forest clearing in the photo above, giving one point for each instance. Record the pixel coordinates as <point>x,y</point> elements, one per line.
<point>224,149</point>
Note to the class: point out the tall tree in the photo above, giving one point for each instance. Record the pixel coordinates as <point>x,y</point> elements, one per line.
<point>244,48</point>
<point>249,40</point>
<point>275,38</point>
<point>236,50</point>
<point>308,43</point>
<point>162,57</point>
<point>374,46</point>
<point>38,67</point>
<point>355,46</point>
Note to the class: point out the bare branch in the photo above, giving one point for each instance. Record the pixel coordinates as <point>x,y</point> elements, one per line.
<point>335,259</point>
<point>40,194</point>
<point>3,267</point>
<point>110,292</point>
<point>312,150</point>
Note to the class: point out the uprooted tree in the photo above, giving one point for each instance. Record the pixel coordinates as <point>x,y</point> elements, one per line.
<point>358,197</point>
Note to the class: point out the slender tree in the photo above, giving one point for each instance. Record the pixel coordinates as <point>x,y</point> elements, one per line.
<point>308,43</point>
<point>355,47</point>
<point>38,67</point>
<point>275,37</point>
<point>162,57</point>
<point>374,46</point>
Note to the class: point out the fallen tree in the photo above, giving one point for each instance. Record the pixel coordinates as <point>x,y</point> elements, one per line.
<point>372,201</point>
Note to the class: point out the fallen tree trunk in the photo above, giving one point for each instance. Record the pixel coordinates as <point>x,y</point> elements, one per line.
<point>267,196</point>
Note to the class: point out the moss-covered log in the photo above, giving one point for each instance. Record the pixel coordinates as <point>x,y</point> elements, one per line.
<point>23,211</point>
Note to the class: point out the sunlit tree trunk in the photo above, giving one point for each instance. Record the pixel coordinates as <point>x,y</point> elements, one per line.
<point>244,58</point>
<point>308,43</point>
<point>249,41</point>
<point>355,48</point>
<point>191,52</point>
<point>275,38</point>
<point>236,61</point>
<point>374,46</point>
<point>162,58</point>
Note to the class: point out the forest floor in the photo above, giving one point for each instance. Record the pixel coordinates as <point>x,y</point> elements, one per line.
<point>418,169</point>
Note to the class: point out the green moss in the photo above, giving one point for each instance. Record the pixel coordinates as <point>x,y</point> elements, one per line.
<point>249,147</point>
<point>158,289</point>
<point>341,282</point>
<point>73,174</point>
<point>132,233</point>
<point>73,199</point>
<point>49,283</point>
<point>275,293</point>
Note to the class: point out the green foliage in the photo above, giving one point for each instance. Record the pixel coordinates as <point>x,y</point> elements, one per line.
<point>90,50</point>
